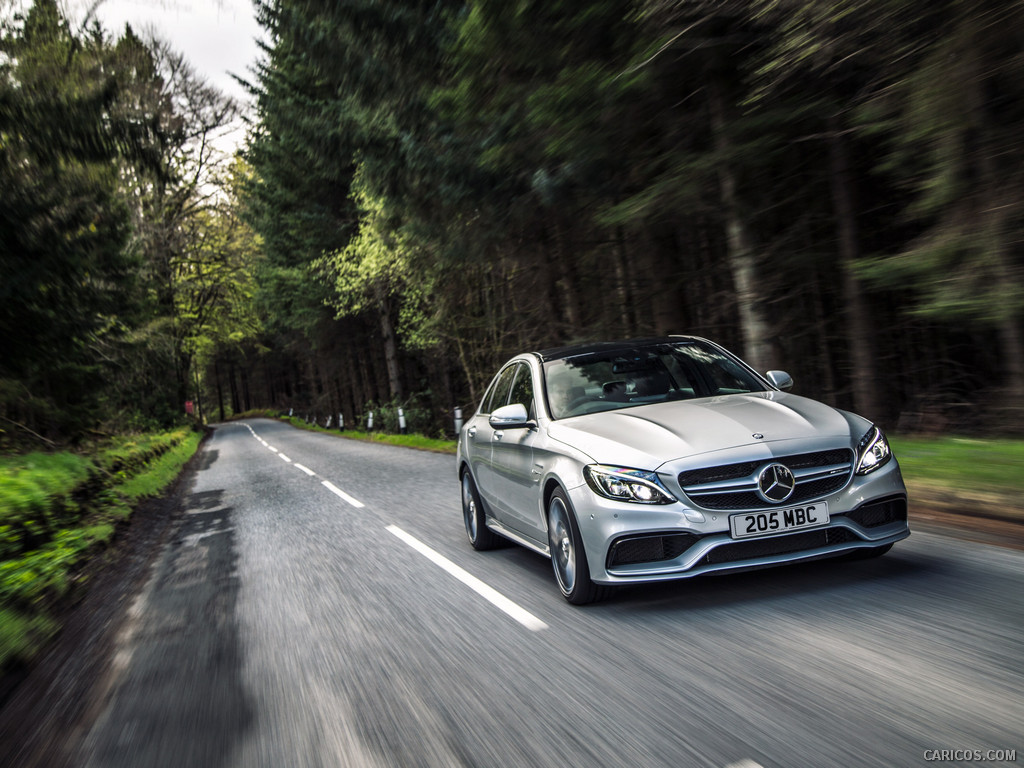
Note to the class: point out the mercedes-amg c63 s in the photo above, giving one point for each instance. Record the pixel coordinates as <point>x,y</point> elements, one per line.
<point>656,459</point>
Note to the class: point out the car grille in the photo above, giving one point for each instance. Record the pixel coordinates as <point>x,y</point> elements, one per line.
<point>777,545</point>
<point>649,549</point>
<point>734,486</point>
<point>880,512</point>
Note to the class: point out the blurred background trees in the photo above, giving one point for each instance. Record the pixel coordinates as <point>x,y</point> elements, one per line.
<point>110,265</point>
<point>833,188</point>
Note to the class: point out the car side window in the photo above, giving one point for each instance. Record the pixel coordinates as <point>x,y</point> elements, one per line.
<point>487,396</point>
<point>522,389</point>
<point>500,390</point>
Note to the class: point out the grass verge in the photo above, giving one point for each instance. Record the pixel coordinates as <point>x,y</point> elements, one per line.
<point>957,462</point>
<point>59,511</point>
<point>419,442</point>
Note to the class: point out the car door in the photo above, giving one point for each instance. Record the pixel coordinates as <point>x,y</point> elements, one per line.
<point>480,436</point>
<point>515,478</point>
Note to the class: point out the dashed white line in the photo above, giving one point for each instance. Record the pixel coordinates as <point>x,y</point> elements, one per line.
<point>490,594</point>
<point>341,494</point>
<point>307,470</point>
<point>487,592</point>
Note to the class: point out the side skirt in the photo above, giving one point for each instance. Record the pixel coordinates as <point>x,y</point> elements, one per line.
<point>518,538</point>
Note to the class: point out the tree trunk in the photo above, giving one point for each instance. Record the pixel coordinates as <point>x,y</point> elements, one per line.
<point>754,327</point>
<point>822,342</point>
<point>200,414</point>
<point>220,387</point>
<point>623,278</point>
<point>246,398</point>
<point>858,324</point>
<point>387,334</point>
<point>567,282</point>
<point>467,369</point>
<point>357,391</point>
<point>662,294</point>
<point>997,232</point>
<point>1011,342</point>
<point>236,405</point>
<point>366,376</point>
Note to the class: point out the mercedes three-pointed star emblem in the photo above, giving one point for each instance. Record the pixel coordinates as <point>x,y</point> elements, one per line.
<point>775,483</point>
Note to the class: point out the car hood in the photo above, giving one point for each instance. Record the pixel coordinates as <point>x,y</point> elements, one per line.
<point>648,436</point>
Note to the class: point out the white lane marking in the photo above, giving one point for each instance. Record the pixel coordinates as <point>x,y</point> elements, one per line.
<point>308,471</point>
<point>340,493</point>
<point>744,764</point>
<point>490,594</point>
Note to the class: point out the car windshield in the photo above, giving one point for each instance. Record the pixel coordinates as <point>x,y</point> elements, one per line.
<point>633,376</point>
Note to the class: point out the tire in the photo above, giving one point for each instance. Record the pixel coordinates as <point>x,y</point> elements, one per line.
<point>568,558</point>
<point>480,536</point>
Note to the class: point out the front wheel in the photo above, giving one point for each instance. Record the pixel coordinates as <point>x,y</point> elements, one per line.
<point>480,536</point>
<point>567,554</point>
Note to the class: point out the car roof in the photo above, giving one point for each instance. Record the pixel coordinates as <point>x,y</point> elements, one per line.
<point>604,347</point>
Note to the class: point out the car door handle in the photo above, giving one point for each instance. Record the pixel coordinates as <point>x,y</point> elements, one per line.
<point>471,431</point>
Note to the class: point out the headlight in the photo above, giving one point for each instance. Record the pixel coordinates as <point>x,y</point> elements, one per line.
<point>624,484</point>
<point>873,451</point>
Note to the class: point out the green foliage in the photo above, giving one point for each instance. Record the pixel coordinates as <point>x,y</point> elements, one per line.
<point>117,259</point>
<point>63,227</point>
<point>36,497</point>
<point>373,265</point>
<point>21,634</point>
<point>58,510</point>
<point>160,472</point>
<point>125,453</point>
<point>428,188</point>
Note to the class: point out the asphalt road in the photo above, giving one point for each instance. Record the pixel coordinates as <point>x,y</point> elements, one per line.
<point>319,606</point>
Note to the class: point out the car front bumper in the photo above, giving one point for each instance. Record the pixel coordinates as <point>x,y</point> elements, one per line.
<point>680,540</point>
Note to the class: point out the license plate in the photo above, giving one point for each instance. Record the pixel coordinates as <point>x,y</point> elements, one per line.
<point>771,521</point>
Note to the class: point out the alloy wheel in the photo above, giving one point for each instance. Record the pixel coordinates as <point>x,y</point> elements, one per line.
<point>563,550</point>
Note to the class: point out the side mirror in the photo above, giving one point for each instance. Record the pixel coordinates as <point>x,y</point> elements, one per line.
<point>512,416</point>
<point>780,379</point>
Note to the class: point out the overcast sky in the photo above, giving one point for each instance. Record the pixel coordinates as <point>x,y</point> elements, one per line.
<point>218,37</point>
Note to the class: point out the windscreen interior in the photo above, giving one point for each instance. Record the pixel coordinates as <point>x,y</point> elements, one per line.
<point>639,376</point>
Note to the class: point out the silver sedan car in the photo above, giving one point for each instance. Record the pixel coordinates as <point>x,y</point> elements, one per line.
<point>657,459</point>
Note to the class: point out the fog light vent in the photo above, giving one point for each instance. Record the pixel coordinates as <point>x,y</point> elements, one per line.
<point>649,549</point>
<point>880,512</point>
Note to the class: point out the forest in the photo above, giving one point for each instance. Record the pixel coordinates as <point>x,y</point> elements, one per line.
<point>835,189</point>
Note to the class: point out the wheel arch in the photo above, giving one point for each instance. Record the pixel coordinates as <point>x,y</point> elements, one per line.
<point>549,488</point>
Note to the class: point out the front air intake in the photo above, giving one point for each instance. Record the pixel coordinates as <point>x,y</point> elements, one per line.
<point>649,548</point>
